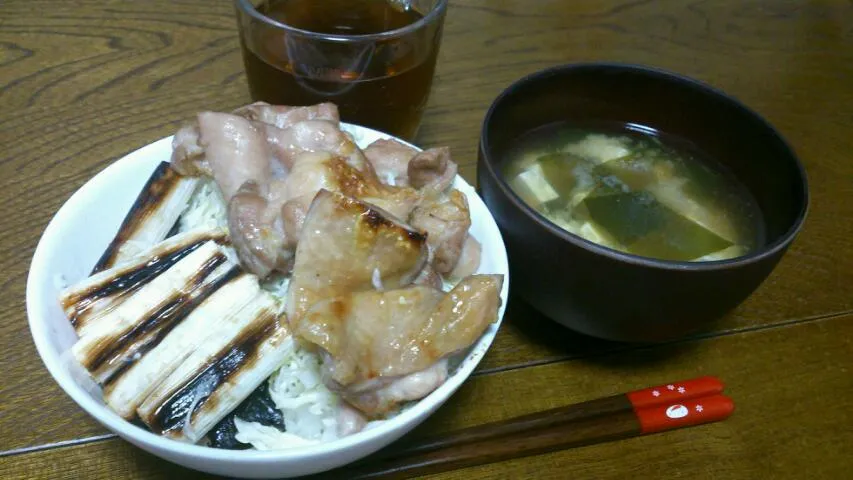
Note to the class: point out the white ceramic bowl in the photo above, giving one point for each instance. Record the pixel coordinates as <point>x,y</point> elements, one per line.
<point>75,239</point>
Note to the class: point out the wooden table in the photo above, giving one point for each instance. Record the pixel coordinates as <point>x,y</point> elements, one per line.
<point>84,82</point>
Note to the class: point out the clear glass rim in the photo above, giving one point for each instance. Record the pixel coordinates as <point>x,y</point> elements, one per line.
<point>437,10</point>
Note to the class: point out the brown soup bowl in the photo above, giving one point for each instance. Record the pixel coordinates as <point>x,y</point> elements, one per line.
<point>612,295</point>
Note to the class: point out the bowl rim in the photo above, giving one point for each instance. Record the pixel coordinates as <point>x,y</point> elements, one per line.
<point>390,429</point>
<point>664,75</point>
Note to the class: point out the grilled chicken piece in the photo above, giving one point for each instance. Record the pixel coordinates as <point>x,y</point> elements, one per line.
<point>432,170</point>
<point>314,136</point>
<point>188,152</point>
<point>374,339</point>
<point>238,156</point>
<point>266,227</point>
<point>283,116</point>
<point>349,420</point>
<point>348,245</point>
<point>316,171</point>
<point>390,160</point>
<point>446,220</point>
<point>259,237</point>
<point>397,164</point>
<point>414,386</point>
<point>469,259</point>
<point>429,277</point>
<point>269,176</point>
<point>235,150</point>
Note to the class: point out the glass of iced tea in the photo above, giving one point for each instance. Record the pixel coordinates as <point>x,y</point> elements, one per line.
<point>373,58</point>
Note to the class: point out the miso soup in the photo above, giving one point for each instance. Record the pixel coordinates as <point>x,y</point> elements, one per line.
<point>635,192</point>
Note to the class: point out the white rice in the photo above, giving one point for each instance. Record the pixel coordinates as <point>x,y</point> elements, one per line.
<point>308,407</point>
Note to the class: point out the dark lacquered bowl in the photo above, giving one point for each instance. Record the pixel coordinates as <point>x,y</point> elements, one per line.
<point>617,296</point>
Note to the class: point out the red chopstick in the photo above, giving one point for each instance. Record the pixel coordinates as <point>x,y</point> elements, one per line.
<point>650,410</point>
<point>680,404</point>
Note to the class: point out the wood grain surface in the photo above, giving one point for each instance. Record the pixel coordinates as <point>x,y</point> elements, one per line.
<point>84,82</point>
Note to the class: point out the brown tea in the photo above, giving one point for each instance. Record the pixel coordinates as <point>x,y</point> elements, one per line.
<point>381,83</point>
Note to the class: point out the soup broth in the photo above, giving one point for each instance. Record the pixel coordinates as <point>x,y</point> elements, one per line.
<point>635,192</point>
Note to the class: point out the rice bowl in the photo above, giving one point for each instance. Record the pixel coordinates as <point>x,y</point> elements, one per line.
<point>70,246</point>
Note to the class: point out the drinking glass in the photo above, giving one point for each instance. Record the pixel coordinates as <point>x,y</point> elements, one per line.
<point>374,59</point>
